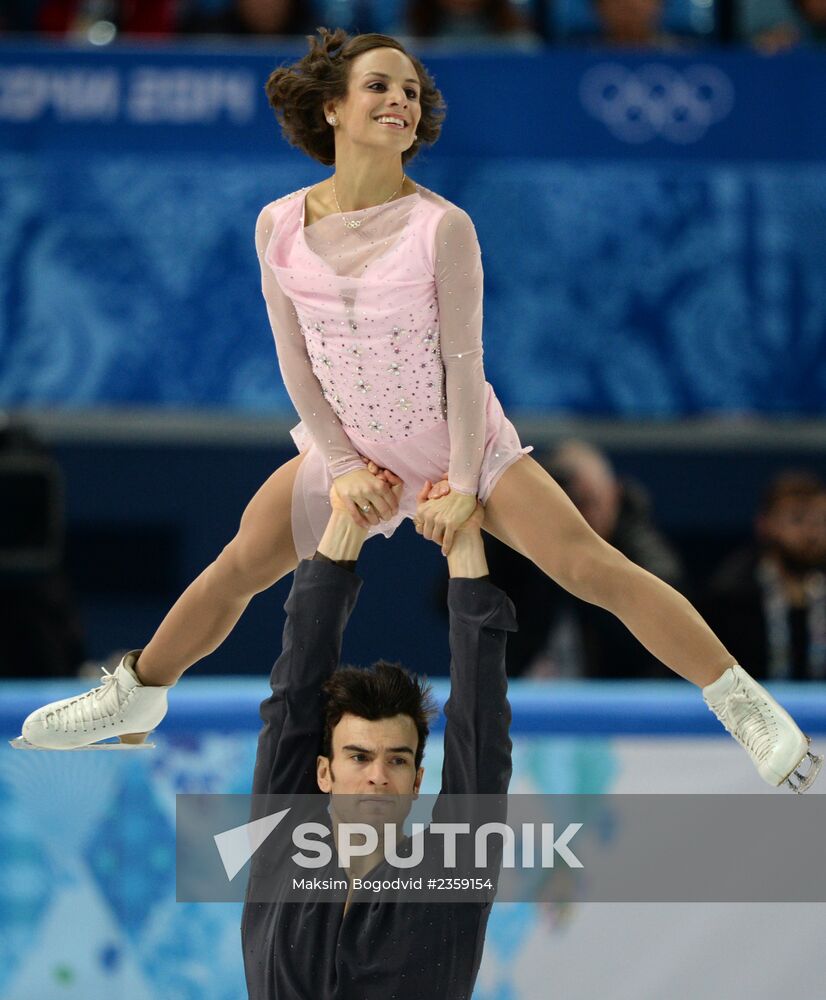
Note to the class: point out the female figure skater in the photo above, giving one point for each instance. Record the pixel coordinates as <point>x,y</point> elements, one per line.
<point>373,286</point>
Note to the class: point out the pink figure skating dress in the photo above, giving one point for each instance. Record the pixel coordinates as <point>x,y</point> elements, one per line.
<point>378,332</point>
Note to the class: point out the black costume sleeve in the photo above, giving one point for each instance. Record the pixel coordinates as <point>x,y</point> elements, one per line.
<point>318,608</point>
<point>477,755</point>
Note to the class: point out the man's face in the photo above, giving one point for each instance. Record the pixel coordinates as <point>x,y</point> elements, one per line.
<point>373,768</point>
<point>370,95</point>
<point>814,11</point>
<point>795,530</point>
<point>634,17</point>
<point>265,17</point>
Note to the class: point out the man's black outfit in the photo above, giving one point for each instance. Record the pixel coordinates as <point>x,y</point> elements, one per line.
<point>377,950</point>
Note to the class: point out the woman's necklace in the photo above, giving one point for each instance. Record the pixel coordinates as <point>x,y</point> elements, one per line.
<point>355,223</point>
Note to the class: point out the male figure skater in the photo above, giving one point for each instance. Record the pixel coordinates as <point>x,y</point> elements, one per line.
<point>313,741</point>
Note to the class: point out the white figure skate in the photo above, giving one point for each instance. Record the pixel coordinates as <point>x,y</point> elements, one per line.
<point>121,706</point>
<point>764,728</point>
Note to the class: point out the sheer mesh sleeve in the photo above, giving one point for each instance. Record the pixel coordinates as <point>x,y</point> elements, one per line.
<point>303,387</point>
<point>459,286</point>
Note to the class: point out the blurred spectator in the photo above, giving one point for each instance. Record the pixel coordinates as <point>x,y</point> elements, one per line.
<point>469,19</point>
<point>246,17</point>
<point>78,17</point>
<point>812,20</point>
<point>774,26</point>
<point>362,17</point>
<point>767,602</point>
<point>633,24</point>
<point>560,635</point>
<point>40,631</point>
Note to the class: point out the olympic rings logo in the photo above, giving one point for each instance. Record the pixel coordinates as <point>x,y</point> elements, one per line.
<point>657,100</point>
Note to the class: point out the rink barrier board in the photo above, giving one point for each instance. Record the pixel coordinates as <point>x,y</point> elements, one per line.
<point>561,708</point>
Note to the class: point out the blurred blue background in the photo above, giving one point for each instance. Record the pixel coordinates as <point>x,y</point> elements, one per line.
<point>669,214</point>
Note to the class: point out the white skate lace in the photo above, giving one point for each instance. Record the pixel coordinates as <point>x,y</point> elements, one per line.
<point>744,718</point>
<point>95,706</point>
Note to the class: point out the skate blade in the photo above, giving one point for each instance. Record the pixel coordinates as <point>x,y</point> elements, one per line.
<point>21,743</point>
<point>800,782</point>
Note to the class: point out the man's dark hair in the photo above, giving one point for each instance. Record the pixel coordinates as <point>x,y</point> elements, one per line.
<point>797,484</point>
<point>379,691</point>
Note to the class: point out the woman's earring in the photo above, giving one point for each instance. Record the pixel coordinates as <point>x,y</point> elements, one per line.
<point>333,120</point>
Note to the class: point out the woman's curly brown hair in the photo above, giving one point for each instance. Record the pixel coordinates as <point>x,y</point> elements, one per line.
<point>297,93</point>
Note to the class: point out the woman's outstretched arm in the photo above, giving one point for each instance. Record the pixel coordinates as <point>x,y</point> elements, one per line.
<point>459,289</point>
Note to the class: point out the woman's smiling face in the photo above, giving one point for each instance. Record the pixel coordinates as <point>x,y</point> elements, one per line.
<point>383,82</point>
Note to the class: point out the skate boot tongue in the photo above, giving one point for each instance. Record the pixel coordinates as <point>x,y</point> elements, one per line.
<point>718,690</point>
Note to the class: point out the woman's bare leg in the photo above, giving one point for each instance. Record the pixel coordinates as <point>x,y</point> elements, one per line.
<point>203,616</point>
<point>531,513</point>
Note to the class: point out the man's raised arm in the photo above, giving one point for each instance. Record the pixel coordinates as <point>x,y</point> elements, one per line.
<point>477,746</point>
<point>318,608</point>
